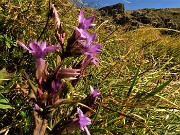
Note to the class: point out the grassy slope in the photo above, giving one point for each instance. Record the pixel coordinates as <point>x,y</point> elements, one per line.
<point>157,56</point>
<point>158,15</point>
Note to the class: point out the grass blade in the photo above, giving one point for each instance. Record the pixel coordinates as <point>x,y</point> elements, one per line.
<point>155,91</point>
<point>133,82</point>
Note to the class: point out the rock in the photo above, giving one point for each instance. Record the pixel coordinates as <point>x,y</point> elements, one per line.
<point>113,9</point>
<point>166,18</point>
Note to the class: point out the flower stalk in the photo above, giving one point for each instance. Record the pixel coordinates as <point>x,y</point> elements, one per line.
<point>55,89</point>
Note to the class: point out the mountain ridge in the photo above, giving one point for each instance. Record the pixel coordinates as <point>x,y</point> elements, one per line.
<point>160,18</point>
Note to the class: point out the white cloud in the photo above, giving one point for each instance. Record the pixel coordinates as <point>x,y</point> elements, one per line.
<point>127,1</point>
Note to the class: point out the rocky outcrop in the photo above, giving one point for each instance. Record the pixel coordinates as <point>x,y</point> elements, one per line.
<point>113,9</point>
<point>117,12</point>
<point>167,18</point>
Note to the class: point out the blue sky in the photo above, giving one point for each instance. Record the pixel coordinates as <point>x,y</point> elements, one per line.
<point>137,4</point>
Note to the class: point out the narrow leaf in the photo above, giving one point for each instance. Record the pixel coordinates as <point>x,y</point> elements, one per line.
<point>33,91</point>
<point>133,82</point>
<point>5,106</point>
<point>155,91</point>
<point>4,103</point>
<point>7,88</point>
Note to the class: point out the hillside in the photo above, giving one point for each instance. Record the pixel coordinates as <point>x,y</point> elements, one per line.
<point>166,18</point>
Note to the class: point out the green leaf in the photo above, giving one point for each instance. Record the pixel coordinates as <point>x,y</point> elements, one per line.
<point>155,91</point>
<point>133,82</point>
<point>8,45</point>
<point>23,114</point>
<point>5,106</point>
<point>139,95</point>
<point>4,103</point>
<point>33,91</point>
<point>7,88</point>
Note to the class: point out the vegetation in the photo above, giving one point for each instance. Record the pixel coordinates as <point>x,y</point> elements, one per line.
<point>138,75</point>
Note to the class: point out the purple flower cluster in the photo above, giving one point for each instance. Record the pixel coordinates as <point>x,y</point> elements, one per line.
<point>52,87</point>
<point>87,40</point>
<point>89,101</point>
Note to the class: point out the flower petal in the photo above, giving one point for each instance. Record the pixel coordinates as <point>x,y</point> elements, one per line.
<point>55,17</point>
<point>92,37</point>
<point>69,73</point>
<point>95,61</point>
<point>35,46</point>
<point>83,119</point>
<point>94,92</point>
<point>40,66</point>
<point>94,49</point>
<point>50,48</point>
<point>88,22</point>
<point>81,33</point>
<point>36,107</point>
<point>85,23</point>
<point>22,45</point>
<point>43,46</point>
<point>91,88</point>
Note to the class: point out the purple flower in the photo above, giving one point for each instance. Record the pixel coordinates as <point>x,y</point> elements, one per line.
<point>88,59</point>
<point>83,121</point>
<point>36,107</point>
<point>85,23</point>
<point>90,46</point>
<point>80,34</point>
<point>56,85</point>
<point>94,92</point>
<point>39,52</point>
<point>91,49</point>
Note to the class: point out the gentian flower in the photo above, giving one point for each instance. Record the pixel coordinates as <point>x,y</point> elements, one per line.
<point>89,46</point>
<point>91,49</point>
<point>83,121</point>
<point>88,59</point>
<point>90,99</point>
<point>85,23</point>
<point>94,92</point>
<point>39,52</point>
<point>36,107</point>
<point>82,36</point>
<point>56,85</point>
<point>80,33</point>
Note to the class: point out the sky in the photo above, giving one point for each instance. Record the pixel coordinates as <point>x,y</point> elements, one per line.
<point>136,4</point>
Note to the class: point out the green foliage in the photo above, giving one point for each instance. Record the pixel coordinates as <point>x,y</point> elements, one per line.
<point>4,103</point>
